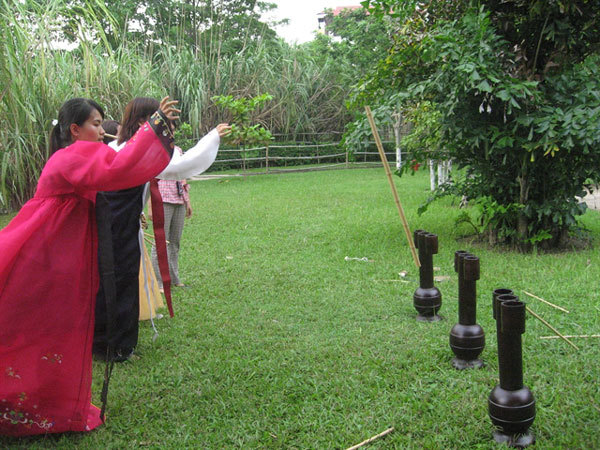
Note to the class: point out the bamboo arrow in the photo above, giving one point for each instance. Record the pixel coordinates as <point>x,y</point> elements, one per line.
<point>546,302</point>
<point>558,333</point>
<point>392,186</point>
<point>374,438</point>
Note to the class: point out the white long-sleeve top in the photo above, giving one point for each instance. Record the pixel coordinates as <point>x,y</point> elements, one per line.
<point>193,162</point>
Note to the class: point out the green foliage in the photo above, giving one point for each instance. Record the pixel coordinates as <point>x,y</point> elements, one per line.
<point>491,216</point>
<point>237,26</point>
<point>359,136</point>
<point>112,67</point>
<point>241,109</point>
<point>518,97</point>
<point>356,41</point>
<point>216,27</point>
<point>184,136</point>
<point>423,142</point>
<point>360,39</point>
<point>306,99</point>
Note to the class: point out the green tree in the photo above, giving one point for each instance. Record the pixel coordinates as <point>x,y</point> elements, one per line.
<point>222,26</point>
<point>358,41</point>
<point>241,109</point>
<point>238,25</point>
<point>354,42</point>
<point>517,87</point>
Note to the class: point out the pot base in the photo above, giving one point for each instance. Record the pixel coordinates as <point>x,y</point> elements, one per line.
<point>518,440</point>
<point>462,364</point>
<point>433,318</point>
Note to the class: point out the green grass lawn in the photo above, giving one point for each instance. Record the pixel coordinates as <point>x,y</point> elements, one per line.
<point>282,343</point>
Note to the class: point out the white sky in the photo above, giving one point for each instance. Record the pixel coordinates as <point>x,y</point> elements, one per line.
<point>302,15</point>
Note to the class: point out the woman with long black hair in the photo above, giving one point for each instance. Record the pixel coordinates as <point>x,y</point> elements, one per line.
<point>49,269</point>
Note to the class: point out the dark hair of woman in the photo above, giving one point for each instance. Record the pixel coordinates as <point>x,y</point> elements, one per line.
<point>111,127</point>
<point>76,110</point>
<point>138,109</point>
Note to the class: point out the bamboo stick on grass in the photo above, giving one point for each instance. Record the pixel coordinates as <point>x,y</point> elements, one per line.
<point>546,302</point>
<point>374,438</point>
<point>392,186</point>
<point>581,336</point>
<point>551,327</point>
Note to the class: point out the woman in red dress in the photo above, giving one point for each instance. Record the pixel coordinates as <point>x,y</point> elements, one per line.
<point>49,270</point>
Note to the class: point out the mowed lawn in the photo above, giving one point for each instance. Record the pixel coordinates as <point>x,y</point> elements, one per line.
<point>282,342</point>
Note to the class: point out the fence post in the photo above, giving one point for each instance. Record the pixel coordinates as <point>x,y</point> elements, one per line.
<point>346,159</point>
<point>267,157</point>
<point>244,160</point>
<point>318,158</point>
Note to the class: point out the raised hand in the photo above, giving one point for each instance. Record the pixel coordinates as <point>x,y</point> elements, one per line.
<point>167,106</point>
<point>223,129</point>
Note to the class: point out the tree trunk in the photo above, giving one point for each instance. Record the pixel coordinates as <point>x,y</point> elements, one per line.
<point>523,197</point>
<point>563,237</point>
<point>492,236</point>
<point>431,175</point>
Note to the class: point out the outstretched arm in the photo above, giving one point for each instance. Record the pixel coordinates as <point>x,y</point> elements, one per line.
<point>95,166</point>
<point>197,159</point>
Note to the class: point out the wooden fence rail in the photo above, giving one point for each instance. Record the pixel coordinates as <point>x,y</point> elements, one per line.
<point>250,162</point>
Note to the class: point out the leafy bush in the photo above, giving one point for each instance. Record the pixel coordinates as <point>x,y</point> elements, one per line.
<point>517,94</point>
<point>242,132</point>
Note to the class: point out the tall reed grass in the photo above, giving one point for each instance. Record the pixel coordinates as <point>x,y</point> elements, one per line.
<point>36,78</point>
<point>305,97</point>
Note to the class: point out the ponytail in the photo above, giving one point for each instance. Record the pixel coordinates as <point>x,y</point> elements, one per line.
<point>56,142</point>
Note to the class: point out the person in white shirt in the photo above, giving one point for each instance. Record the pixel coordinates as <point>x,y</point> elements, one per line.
<point>126,207</point>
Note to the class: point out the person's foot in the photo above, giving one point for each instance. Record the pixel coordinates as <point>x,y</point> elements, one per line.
<point>181,285</point>
<point>123,354</point>
<point>120,355</point>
